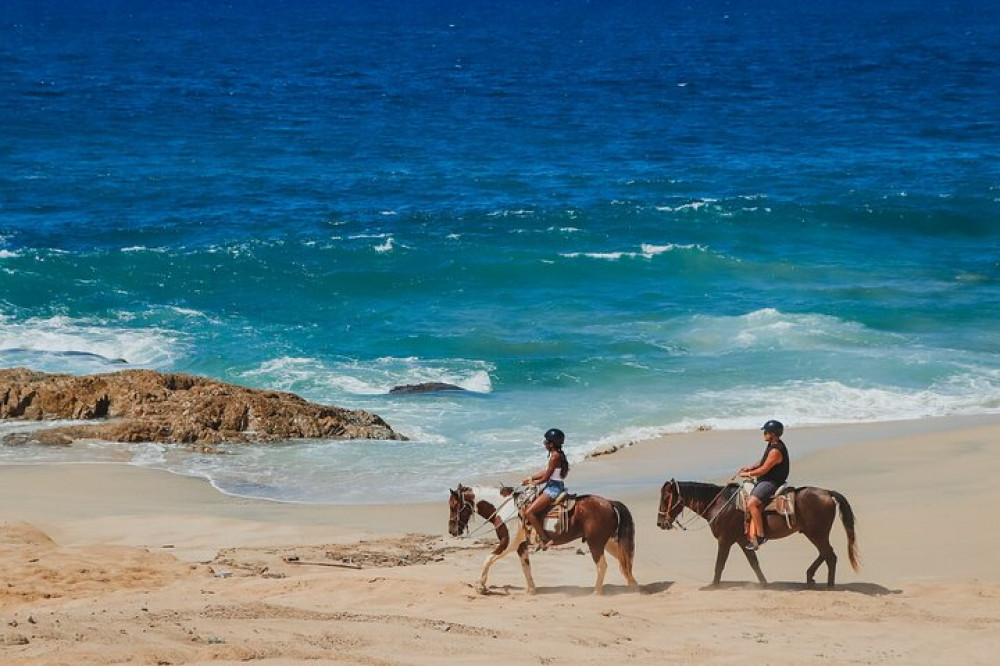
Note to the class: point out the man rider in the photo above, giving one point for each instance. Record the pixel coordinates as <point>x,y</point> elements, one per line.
<point>771,472</point>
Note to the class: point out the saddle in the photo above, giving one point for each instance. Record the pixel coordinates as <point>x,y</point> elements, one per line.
<point>557,518</point>
<point>782,503</point>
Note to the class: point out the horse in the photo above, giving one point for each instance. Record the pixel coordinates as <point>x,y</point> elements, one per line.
<point>495,505</point>
<point>601,523</point>
<point>815,511</point>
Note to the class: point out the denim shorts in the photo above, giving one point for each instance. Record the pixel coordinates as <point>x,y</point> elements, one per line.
<point>764,490</point>
<point>553,488</point>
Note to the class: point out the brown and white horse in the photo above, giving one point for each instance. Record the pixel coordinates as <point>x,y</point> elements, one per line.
<point>496,506</point>
<point>601,523</point>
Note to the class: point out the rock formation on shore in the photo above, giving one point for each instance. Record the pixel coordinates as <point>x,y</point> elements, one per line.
<point>149,406</point>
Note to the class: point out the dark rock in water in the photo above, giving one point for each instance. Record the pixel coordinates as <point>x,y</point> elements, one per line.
<point>427,387</point>
<point>149,406</point>
<point>68,353</point>
<point>92,355</point>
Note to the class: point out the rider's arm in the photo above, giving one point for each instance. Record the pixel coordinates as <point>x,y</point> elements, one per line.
<point>773,458</point>
<point>544,475</point>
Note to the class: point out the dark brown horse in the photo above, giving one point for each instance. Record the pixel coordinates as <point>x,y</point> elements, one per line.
<point>601,523</point>
<point>815,511</point>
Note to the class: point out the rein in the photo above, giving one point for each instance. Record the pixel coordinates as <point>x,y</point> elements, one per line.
<point>708,521</point>
<point>488,521</point>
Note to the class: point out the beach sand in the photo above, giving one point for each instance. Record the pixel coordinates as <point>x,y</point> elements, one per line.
<point>106,564</point>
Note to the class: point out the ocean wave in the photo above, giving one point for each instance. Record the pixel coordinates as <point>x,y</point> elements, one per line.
<point>771,329</point>
<point>646,251</point>
<point>695,206</point>
<point>62,343</point>
<point>328,380</point>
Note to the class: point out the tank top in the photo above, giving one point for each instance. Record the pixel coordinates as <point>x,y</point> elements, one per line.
<point>558,475</point>
<point>779,473</point>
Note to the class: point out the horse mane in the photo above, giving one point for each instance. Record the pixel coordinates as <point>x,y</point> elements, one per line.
<point>706,491</point>
<point>494,495</point>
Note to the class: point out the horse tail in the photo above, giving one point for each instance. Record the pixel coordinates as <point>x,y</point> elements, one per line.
<point>847,517</point>
<point>625,538</point>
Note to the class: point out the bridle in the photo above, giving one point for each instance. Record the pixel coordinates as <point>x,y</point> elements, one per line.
<point>459,526</point>
<point>675,501</point>
<point>679,501</point>
<point>462,526</point>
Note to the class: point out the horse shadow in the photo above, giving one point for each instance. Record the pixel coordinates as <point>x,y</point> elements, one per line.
<point>867,589</point>
<point>584,591</point>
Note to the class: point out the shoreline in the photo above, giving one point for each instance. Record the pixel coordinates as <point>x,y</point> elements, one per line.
<point>110,563</point>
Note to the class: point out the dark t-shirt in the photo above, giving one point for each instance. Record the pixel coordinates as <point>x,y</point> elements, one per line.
<point>779,473</point>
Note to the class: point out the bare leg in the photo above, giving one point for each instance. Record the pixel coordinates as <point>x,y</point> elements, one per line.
<point>756,508</point>
<point>535,513</point>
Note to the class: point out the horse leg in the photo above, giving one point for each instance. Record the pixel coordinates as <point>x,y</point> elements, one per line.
<point>601,562</point>
<point>615,551</point>
<point>512,546</point>
<point>522,553</point>
<point>720,561</point>
<point>486,570</point>
<point>826,554</point>
<point>755,565</point>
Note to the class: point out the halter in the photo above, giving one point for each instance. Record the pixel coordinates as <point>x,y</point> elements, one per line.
<point>466,504</point>
<point>488,521</point>
<point>678,501</point>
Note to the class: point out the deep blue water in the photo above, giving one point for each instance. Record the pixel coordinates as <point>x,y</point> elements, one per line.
<point>618,218</point>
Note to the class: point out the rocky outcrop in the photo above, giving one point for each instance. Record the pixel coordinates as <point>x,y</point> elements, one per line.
<point>426,387</point>
<point>148,406</point>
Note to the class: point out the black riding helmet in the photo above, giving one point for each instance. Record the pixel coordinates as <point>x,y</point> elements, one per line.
<point>556,437</point>
<point>773,426</point>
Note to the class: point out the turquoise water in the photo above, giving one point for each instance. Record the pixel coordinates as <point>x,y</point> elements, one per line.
<point>617,220</point>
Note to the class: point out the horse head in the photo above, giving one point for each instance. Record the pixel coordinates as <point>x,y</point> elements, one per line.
<point>461,506</point>
<point>671,505</point>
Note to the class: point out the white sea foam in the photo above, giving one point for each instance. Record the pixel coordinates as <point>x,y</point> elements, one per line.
<point>646,251</point>
<point>696,205</point>
<point>608,256</point>
<point>367,236</point>
<point>143,248</point>
<point>386,246</point>
<point>770,329</point>
<point>7,254</point>
<point>330,380</point>
<point>55,336</point>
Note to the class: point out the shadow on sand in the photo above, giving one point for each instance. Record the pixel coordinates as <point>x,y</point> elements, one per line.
<point>867,589</point>
<point>586,591</point>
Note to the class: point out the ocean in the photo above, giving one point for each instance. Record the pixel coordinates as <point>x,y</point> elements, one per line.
<point>621,219</point>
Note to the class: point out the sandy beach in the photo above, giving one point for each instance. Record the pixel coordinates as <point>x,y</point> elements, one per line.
<point>111,564</point>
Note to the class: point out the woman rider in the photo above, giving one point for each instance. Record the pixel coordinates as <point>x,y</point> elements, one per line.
<point>553,476</point>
